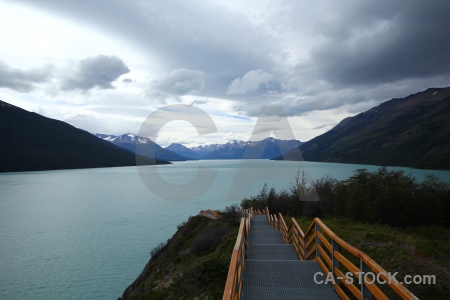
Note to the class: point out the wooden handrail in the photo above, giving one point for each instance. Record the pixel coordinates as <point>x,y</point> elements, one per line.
<point>318,242</point>
<point>233,284</point>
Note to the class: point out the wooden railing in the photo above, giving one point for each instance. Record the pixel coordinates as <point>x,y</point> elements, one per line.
<point>233,284</point>
<point>335,256</point>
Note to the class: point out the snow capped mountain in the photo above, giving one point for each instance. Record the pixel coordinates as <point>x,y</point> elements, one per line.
<point>237,149</point>
<point>106,137</point>
<point>183,151</point>
<point>234,149</point>
<point>124,138</point>
<point>129,141</point>
<point>206,148</point>
<point>238,143</point>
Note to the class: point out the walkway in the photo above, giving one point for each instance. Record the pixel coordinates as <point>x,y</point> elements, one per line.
<point>273,270</point>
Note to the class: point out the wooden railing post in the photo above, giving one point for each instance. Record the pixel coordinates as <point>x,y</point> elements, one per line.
<point>365,292</point>
<point>334,262</point>
<point>233,284</point>
<point>275,222</point>
<point>317,240</point>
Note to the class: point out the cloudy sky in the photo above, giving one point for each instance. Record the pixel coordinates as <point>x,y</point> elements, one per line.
<point>106,65</point>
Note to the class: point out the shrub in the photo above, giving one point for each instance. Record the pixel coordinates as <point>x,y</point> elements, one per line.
<point>157,250</point>
<point>231,214</point>
<point>209,238</point>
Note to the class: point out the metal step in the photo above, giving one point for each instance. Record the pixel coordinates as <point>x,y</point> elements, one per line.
<point>261,293</point>
<point>264,232</point>
<point>272,252</point>
<point>266,239</point>
<point>261,227</point>
<point>272,269</point>
<point>260,220</point>
<point>290,279</point>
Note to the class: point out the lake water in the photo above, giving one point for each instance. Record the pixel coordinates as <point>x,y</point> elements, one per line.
<point>87,234</point>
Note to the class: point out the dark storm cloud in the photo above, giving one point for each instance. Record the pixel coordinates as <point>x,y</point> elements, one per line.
<point>181,82</point>
<point>196,35</point>
<point>375,42</point>
<point>99,71</point>
<point>198,102</point>
<point>351,52</point>
<point>22,80</point>
<point>178,83</point>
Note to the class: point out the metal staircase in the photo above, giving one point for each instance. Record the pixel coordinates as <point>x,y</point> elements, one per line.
<point>273,270</point>
<point>275,260</point>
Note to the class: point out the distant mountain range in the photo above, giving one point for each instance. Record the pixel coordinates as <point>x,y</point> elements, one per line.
<point>265,149</point>
<point>130,141</point>
<point>413,131</point>
<point>31,142</point>
<point>235,149</point>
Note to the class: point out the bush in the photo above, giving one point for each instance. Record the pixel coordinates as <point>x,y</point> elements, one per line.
<point>157,250</point>
<point>384,196</point>
<point>231,214</point>
<point>209,238</point>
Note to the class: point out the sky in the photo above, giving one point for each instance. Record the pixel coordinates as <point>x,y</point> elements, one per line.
<point>106,66</point>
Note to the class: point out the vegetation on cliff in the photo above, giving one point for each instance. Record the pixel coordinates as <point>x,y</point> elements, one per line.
<point>193,263</point>
<point>385,196</point>
<point>399,222</point>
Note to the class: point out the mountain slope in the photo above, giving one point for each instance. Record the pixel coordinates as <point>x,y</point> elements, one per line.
<point>183,151</point>
<point>412,131</point>
<point>31,142</point>
<point>129,141</point>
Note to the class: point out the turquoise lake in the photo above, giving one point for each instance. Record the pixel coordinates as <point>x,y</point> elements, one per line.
<point>87,234</point>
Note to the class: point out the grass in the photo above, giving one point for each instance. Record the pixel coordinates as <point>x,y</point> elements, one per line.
<point>194,263</point>
<point>412,251</point>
